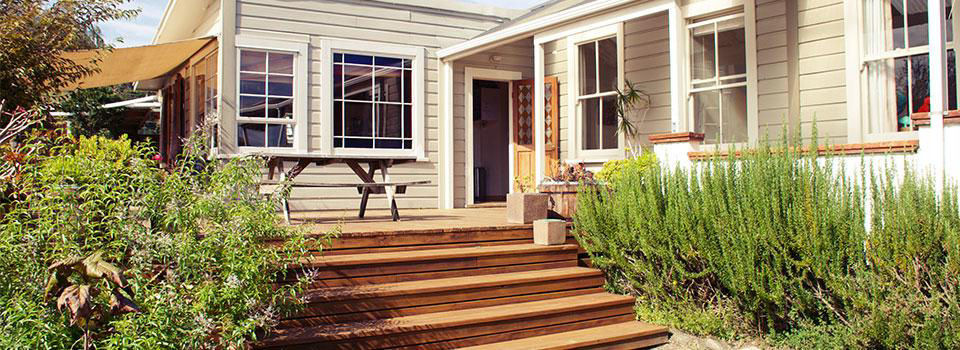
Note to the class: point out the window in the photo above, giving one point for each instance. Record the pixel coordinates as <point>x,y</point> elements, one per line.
<point>895,64</point>
<point>598,79</point>
<point>266,99</point>
<point>718,79</point>
<point>372,101</point>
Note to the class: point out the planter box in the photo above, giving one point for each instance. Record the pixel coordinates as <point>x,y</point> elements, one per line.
<point>563,198</point>
<point>525,208</point>
<point>549,232</point>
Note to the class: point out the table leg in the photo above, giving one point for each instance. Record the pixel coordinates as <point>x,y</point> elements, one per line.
<point>390,190</point>
<point>366,177</point>
<point>289,175</point>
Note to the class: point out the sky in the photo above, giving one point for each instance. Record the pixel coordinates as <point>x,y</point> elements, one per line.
<point>139,31</point>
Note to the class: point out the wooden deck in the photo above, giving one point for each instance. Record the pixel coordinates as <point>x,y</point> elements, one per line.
<point>411,220</point>
<point>446,279</point>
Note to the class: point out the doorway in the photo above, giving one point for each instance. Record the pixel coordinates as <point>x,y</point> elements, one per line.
<point>491,140</point>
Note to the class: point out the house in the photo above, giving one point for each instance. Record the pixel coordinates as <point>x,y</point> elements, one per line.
<point>455,87</point>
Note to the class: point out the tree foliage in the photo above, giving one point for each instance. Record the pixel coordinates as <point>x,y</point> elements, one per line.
<point>34,33</point>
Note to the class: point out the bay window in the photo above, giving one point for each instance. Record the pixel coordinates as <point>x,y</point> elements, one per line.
<point>718,79</point>
<point>895,67</point>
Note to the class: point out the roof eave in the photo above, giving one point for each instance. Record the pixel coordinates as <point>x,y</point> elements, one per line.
<point>514,32</point>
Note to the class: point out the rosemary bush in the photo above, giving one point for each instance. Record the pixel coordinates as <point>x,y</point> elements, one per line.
<point>774,244</point>
<point>189,242</point>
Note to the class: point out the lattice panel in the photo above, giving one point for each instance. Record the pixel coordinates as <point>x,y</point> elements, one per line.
<point>524,115</point>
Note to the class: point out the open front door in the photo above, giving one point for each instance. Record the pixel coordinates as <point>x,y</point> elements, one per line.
<point>524,157</point>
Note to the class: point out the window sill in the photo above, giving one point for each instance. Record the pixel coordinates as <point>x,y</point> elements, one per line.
<point>923,119</point>
<point>597,156</point>
<point>888,147</point>
<point>677,137</point>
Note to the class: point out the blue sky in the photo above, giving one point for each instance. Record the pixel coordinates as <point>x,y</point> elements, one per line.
<point>140,30</point>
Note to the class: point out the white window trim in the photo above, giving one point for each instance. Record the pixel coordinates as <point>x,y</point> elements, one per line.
<point>417,54</point>
<point>301,119</point>
<point>573,91</point>
<point>749,31</point>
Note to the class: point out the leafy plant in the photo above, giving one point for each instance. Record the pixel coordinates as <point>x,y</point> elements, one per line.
<point>191,244</point>
<point>524,184</point>
<point>773,244</point>
<point>575,173</point>
<point>614,170</point>
<point>78,298</point>
<point>631,99</point>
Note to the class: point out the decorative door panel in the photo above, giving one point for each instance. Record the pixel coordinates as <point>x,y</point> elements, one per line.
<point>524,132</point>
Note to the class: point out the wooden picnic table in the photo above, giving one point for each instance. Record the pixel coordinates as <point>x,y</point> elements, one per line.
<point>367,186</point>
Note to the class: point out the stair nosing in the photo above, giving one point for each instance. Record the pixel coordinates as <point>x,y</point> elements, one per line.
<point>574,342</point>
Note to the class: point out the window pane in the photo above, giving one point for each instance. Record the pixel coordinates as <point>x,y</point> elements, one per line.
<point>706,115</point>
<point>357,143</point>
<point>388,61</point>
<point>357,83</point>
<point>252,107</point>
<point>388,120</point>
<point>338,57</point>
<point>279,135</point>
<point>902,83</point>
<point>897,24</point>
<point>390,144</point>
<point>358,119</point>
<point>917,30</point>
<point>358,59</point>
<point>281,85</point>
<point>590,111</point>
<point>407,121</point>
<point>702,63</point>
<point>250,135</point>
<point>253,61</point>
<point>920,83</point>
<point>734,115</point>
<point>251,83</point>
<point>338,118</point>
<point>389,84</point>
<point>337,81</point>
<point>407,86</point>
<point>280,108</point>
<point>588,68</point>
<point>609,130</point>
<point>281,63</point>
<point>608,64</point>
<point>732,52</point>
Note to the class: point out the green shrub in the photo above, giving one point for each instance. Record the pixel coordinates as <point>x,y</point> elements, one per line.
<point>613,170</point>
<point>189,241</point>
<point>773,243</point>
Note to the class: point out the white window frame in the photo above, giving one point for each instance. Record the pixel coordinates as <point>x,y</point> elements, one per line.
<point>867,104</point>
<point>717,79</point>
<point>415,53</point>
<point>301,117</point>
<point>575,123</point>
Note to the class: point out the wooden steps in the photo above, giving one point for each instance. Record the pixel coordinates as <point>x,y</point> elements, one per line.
<point>445,289</point>
<point>627,335</point>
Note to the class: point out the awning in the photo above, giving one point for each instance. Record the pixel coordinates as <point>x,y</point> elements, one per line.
<point>124,65</point>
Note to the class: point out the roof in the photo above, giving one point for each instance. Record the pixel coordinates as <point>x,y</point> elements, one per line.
<point>536,19</point>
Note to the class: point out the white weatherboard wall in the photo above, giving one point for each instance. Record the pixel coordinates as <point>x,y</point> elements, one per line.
<point>821,67</point>
<point>376,22</point>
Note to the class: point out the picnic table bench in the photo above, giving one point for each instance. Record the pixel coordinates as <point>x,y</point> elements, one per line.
<point>367,186</point>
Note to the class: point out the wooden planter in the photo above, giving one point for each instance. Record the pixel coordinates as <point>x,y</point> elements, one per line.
<point>563,198</point>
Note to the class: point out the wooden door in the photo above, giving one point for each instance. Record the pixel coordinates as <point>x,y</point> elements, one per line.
<point>524,157</point>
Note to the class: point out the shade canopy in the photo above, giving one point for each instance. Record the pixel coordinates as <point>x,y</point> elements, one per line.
<point>124,65</point>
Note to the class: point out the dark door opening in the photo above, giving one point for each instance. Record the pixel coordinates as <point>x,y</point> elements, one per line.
<point>491,141</point>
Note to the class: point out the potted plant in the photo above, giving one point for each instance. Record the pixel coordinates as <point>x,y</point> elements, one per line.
<point>525,206</point>
<point>561,188</point>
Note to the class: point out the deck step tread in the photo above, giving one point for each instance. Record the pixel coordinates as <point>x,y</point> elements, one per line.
<point>447,319</point>
<point>433,254</point>
<point>446,284</point>
<point>589,337</point>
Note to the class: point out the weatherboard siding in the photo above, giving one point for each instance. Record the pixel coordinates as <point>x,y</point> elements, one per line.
<point>399,25</point>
